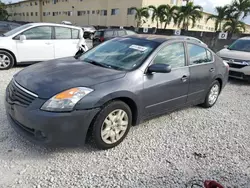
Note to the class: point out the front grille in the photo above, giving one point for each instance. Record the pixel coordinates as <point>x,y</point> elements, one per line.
<point>237,66</point>
<point>236,74</point>
<point>18,95</point>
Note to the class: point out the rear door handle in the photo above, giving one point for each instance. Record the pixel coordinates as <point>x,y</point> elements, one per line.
<point>184,78</point>
<point>211,70</point>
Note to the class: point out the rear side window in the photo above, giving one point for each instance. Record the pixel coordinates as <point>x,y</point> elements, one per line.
<point>198,55</point>
<point>109,34</point>
<point>13,26</point>
<point>62,33</point>
<point>75,34</point>
<point>130,32</point>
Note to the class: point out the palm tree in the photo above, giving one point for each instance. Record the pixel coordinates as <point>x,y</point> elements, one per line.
<point>141,15</point>
<point>187,13</point>
<point>239,9</point>
<point>169,14</point>
<point>222,13</point>
<point>157,14</point>
<point>234,26</point>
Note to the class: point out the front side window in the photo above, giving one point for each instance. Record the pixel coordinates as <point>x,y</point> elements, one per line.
<point>62,33</point>
<point>173,55</point>
<point>121,32</point>
<point>120,53</point>
<point>198,55</point>
<point>38,33</point>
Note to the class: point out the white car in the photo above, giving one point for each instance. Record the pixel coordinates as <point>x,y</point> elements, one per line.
<point>38,42</point>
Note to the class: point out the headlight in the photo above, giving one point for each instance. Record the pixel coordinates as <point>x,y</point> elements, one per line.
<point>66,100</point>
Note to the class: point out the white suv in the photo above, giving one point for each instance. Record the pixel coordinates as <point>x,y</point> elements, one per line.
<point>38,42</point>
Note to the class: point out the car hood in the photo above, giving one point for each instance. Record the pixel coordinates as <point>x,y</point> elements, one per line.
<point>233,54</point>
<point>52,77</point>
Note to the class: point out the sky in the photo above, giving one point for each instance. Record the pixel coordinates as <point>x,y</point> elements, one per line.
<point>208,5</point>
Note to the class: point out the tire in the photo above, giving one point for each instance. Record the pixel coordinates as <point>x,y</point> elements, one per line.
<point>7,60</point>
<point>208,103</point>
<point>104,128</point>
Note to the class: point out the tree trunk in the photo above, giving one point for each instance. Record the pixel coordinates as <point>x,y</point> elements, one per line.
<point>165,26</point>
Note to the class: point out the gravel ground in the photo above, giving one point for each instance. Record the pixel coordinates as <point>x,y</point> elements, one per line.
<point>170,151</point>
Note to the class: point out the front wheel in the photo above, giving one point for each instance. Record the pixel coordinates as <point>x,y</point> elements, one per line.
<point>7,61</point>
<point>111,125</point>
<point>212,95</point>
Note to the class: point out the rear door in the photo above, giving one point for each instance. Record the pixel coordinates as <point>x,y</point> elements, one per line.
<point>66,41</point>
<point>202,71</point>
<point>38,45</point>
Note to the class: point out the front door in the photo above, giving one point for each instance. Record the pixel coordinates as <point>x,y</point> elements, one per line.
<point>38,45</point>
<point>167,91</point>
<point>202,71</point>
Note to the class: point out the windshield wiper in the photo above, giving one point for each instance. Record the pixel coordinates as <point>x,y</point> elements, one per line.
<point>97,63</point>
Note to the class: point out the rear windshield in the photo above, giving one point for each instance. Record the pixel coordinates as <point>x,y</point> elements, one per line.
<point>121,53</point>
<point>240,45</point>
<point>99,34</point>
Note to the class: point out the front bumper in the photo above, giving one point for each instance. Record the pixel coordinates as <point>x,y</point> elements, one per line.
<point>50,128</point>
<point>240,73</point>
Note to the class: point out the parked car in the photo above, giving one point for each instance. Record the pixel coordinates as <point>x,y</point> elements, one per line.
<point>38,42</point>
<point>88,32</point>
<point>237,55</point>
<point>66,23</point>
<point>7,26</point>
<point>120,83</point>
<point>107,34</point>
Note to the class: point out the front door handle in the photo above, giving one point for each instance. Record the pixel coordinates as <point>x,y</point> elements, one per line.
<point>184,78</point>
<point>211,70</point>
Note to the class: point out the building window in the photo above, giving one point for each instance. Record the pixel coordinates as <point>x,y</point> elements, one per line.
<point>36,13</point>
<point>31,14</point>
<point>30,3</point>
<point>27,14</point>
<point>88,12</point>
<point>131,11</point>
<point>93,12</point>
<point>104,12</point>
<point>70,13</point>
<point>174,2</point>
<point>23,14</point>
<point>115,11</point>
<point>35,3</point>
<point>81,13</point>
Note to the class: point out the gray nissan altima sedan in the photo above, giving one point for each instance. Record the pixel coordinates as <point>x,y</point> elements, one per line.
<point>120,83</point>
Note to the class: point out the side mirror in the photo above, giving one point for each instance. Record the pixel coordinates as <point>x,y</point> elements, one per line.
<point>226,46</point>
<point>159,68</point>
<point>22,38</point>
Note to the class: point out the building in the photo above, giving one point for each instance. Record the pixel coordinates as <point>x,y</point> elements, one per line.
<point>93,12</point>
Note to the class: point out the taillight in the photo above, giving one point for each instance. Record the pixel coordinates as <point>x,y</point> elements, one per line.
<point>226,64</point>
<point>101,39</point>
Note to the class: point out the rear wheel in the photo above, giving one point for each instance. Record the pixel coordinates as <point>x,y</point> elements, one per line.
<point>212,95</point>
<point>7,61</point>
<point>111,125</point>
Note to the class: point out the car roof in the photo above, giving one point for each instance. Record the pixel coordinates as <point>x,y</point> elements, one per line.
<point>244,38</point>
<point>109,29</point>
<point>54,24</point>
<point>159,38</point>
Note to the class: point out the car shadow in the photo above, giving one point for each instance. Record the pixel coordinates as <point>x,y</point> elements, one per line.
<point>238,82</point>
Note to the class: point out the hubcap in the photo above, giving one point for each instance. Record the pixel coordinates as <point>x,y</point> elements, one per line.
<point>4,61</point>
<point>114,126</point>
<point>213,95</point>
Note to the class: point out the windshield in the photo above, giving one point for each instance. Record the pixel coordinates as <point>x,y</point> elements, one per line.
<point>121,53</point>
<point>240,45</point>
<point>16,30</point>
